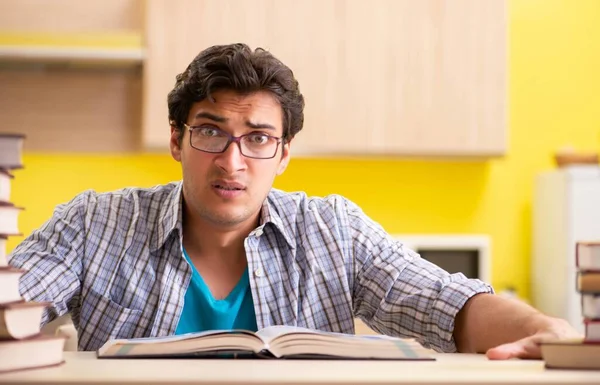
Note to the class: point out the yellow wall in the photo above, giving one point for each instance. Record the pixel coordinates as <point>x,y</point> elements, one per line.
<point>554,100</point>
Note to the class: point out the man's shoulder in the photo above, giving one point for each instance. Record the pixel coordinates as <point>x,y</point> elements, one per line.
<point>156,193</point>
<point>299,202</point>
<point>124,205</point>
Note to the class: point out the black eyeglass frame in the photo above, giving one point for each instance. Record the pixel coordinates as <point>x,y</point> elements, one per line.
<point>234,139</point>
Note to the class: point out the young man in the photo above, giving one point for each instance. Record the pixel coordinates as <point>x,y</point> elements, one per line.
<point>223,249</point>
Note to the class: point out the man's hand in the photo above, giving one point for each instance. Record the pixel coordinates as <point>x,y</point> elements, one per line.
<point>506,328</point>
<point>529,347</point>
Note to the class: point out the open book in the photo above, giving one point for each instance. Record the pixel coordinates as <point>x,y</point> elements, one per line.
<point>270,342</point>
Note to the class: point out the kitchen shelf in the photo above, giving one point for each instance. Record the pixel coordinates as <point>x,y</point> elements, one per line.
<point>98,49</point>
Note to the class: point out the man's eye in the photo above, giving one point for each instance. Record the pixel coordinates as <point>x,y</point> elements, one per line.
<point>208,131</point>
<point>258,139</point>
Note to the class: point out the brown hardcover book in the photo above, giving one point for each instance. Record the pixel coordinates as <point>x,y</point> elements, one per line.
<point>9,285</point>
<point>20,320</point>
<point>35,352</point>
<point>587,255</point>
<point>588,282</point>
<point>11,151</point>
<point>571,354</point>
<point>5,181</point>
<point>9,218</point>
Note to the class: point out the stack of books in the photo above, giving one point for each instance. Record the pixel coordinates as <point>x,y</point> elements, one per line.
<point>581,353</point>
<point>22,345</point>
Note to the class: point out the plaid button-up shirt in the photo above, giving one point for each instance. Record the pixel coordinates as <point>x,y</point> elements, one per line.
<point>114,262</point>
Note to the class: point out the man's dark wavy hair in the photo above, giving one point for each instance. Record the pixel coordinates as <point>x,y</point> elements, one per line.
<point>236,67</point>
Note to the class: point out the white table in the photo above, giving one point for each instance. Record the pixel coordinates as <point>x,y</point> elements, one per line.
<point>85,368</point>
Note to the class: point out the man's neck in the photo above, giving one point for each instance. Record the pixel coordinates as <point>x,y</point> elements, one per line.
<point>217,252</point>
<point>212,243</point>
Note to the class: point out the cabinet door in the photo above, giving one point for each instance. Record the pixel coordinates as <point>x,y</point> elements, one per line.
<point>395,77</point>
<point>62,81</point>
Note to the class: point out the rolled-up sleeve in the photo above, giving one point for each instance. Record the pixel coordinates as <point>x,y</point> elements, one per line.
<point>398,293</point>
<point>52,259</point>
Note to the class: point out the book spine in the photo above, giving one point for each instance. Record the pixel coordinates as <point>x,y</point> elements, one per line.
<point>587,256</point>
<point>592,330</point>
<point>588,281</point>
<point>587,266</point>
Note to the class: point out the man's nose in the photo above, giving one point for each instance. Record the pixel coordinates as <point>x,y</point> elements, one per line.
<point>231,159</point>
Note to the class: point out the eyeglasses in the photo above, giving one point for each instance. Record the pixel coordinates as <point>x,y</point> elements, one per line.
<point>256,145</point>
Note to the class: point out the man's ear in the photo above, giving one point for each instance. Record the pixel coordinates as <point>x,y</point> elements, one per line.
<point>285,158</point>
<point>174,143</point>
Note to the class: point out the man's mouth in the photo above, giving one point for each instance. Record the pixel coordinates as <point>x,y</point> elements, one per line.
<point>229,186</point>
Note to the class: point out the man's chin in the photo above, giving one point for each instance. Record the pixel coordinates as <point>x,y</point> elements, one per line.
<point>227,219</point>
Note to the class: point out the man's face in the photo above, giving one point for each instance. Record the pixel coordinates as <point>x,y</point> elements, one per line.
<point>227,189</point>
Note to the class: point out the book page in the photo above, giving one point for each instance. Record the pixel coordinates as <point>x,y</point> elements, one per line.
<point>296,341</point>
<point>185,343</point>
<point>269,333</point>
<point>179,337</point>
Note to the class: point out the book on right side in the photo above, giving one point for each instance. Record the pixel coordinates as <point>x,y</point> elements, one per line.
<point>587,256</point>
<point>571,354</point>
<point>582,353</point>
<point>590,306</point>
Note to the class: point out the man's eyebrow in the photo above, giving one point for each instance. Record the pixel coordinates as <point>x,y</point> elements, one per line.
<point>221,119</point>
<point>213,117</point>
<point>260,125</point>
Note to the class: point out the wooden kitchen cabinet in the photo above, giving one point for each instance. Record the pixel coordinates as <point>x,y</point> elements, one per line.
<point>70,74</point>
<point>383,77</point>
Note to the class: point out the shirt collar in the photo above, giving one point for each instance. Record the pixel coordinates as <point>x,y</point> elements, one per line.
<point>171,217</point>
<point>274,213</point>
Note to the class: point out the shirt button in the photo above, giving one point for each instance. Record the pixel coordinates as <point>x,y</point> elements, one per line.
<point>258,233</point>
<point>258,273</point>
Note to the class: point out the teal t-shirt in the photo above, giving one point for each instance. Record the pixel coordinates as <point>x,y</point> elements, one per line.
<point>202,312</point>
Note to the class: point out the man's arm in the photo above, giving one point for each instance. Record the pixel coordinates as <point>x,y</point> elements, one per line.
<point>504,328</point>
<point>398,293</point>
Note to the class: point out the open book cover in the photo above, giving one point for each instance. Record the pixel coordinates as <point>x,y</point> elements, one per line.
<point>270,342</point>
